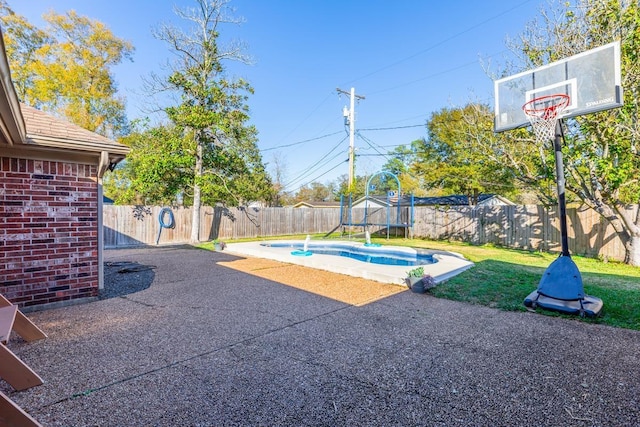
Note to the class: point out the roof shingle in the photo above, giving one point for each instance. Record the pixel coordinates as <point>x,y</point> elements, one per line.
<point>42,125</point>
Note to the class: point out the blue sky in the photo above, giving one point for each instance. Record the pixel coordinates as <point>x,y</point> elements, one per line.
<point>408,58</point>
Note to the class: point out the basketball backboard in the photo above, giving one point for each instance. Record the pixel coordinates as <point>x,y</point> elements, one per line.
<point>591,79</point>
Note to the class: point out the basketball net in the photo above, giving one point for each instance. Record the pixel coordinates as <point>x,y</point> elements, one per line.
<point>543,114</point>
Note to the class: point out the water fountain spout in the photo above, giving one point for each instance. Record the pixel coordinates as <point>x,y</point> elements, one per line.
<point>367,239</point>
<point>305,248</point>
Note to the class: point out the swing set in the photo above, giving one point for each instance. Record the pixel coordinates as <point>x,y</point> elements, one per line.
<point>386,212</point>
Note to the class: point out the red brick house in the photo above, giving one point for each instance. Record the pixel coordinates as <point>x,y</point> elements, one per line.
<point>50,203</point>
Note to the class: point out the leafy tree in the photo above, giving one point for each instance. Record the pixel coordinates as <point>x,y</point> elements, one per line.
<point>154,170</point>
<point>212,112</point>
<point>402,163</point>
<point>234,173</point>
<point>412,184</point>
<point>160,170</point>
<point>66,68</point>
<point>400,159</point>
<point>601,156</point>
<point>314,192</point>
<point>451,160</point>
<point>22,43</point>
<point>357,190</point>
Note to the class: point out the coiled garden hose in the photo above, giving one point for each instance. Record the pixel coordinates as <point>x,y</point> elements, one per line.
<point>163,224</point>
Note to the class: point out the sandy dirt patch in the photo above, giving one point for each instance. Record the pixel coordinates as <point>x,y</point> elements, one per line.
<point>340,287</point>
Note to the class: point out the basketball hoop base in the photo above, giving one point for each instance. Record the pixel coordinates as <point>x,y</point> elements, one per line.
<point>589,306</point>
<point>560,289</point>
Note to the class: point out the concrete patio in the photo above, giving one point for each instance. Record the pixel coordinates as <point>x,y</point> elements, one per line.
<point>209,344</point>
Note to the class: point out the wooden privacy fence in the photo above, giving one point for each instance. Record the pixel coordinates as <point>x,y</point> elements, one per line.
<point>140,225</point>
<point>529,227</point>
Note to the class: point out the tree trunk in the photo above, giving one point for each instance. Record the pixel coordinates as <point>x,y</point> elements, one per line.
<point>632,246</point>
<point>625,227</point>
<point>195,218</point>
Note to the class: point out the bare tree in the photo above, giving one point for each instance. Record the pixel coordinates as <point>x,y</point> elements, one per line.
<point>278,175</point>
<point>211,110</point>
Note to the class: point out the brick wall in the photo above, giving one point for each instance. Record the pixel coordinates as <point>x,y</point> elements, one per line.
<point>48,231</point>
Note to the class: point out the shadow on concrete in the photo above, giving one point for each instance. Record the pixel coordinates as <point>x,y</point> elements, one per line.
<point>124,278</point>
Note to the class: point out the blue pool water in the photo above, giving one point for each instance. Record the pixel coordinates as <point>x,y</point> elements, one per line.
<point>378,255</point>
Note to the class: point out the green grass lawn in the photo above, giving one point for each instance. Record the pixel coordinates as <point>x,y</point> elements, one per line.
<point>502,278</point>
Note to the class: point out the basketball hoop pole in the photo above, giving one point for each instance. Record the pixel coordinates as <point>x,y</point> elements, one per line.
<point>551,92</point>
<point>560,287</point>
<point>560,180</point>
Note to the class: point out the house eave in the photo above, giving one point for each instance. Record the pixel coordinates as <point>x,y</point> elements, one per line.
<point>64,153</point>
<point>76,145</point>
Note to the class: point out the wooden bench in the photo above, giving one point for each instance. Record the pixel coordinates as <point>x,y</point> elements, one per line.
<point>12,415</point>
<point>13,370</point>
<point>21,325</point>
<point>7,319</point>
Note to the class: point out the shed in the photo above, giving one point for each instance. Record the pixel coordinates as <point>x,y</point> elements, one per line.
<point>316,204</point>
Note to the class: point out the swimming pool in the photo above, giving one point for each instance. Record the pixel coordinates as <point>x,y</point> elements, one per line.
<point>385,255</point>
<point>442,266</point>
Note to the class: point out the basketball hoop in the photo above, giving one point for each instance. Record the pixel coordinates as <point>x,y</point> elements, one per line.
<point>543,113</point>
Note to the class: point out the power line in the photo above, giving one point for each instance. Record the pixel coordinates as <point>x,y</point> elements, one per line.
<point>317,165</point>
<point>395,145</point>
<point>373,155</point>
<point>371,144</point>
<point>301,142</point>
<point>394,128</point>
<point>431,47</point>
<point>311,168</point>
<point>320,176</point>
<point>303,120</point>
<point>441,42</point>
<point>308,172</point>
<point>430,76</point>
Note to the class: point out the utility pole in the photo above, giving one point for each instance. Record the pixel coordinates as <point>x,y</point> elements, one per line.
<point>350,115</point>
